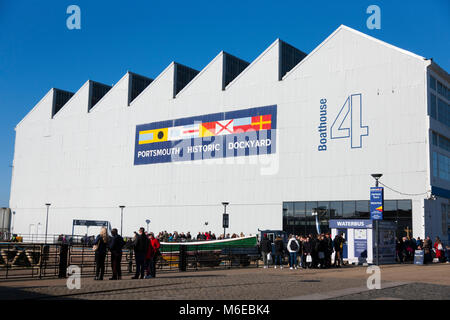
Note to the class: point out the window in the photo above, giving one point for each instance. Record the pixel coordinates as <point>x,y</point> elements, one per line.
<point>443,167</point>
<point>440,88</point>
<point>434,138</point>
<point>432,82</point>
<point>335,209</point>
<point>433,113</point>
<point>137,85</point>
<point>362,209</point>
<point>183,75</point>
<point>435,164</point>
<point>233,67</point>
<point>390,209</point>
<point>60,97</point>
<point>290,57</point>
<point>404,208</point>
<point>444,143</point>
<point>96,92</point>
<point>443,112</point>
<point>348,209</point>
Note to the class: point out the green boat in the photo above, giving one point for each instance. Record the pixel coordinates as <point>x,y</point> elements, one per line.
<point>209,252</point>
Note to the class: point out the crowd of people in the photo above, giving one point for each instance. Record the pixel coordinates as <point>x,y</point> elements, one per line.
<point>201,236</point>
<point>312,251</point>
<point>406,247</point>
<point>146,251</point>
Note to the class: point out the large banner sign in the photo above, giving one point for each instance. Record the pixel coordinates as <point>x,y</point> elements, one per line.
<point>219,135</point>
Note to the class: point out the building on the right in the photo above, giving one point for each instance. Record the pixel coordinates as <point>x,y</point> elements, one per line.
<point>416,214</point>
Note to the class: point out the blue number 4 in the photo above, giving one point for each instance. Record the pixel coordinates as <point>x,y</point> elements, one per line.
<point>350,127</point>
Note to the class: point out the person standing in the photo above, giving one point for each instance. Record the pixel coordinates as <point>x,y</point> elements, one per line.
<point>279,249</point>
<point>140,244</point>
<point>321,251</point>
<point>100,248</point>
<point>115,248</point>
<point>427,246</point>
<point>314,250</point>
<point>329,250</point>
<point>337,243</point>
<point>307,249</point>
<point>292,247</point>
<point>266,248</point>
<point>439,248</point>
<point>152,256</point>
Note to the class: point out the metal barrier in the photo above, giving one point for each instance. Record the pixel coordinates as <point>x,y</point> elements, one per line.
<point>32,260</point>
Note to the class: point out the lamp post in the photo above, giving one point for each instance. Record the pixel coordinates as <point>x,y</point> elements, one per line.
<point>12,222</point>
<point>376,176</point>
<point>147,222</point>
<point>121,218</point>
<point>3,223</point>
<point>46,222</point>
<point>225,220</point>
<point>37,231</point>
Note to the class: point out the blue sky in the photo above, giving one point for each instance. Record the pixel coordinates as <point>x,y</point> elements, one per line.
<point>38,51</point>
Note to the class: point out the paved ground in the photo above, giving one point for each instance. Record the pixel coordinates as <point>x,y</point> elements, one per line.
<point>398,282</point>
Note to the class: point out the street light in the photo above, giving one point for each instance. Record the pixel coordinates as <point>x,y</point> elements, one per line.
<point>12,222</point>
<point>225,220</point>
<point>37,231</point>
<point>147,222</point>
<point>376,176</point>
<point>46,223</point>
<point>121,218</point>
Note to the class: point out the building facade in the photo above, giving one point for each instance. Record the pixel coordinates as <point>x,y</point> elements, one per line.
<point>276,138</point>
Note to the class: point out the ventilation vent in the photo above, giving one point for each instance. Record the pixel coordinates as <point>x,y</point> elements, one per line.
<point>137,84</point>
<point>289,58</point>
<point>60,97</point>
<point>183,75</point>
<point>232,68</point>
<point>96,92</point>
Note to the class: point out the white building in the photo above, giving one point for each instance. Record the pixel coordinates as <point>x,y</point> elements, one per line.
<point>375,108</point>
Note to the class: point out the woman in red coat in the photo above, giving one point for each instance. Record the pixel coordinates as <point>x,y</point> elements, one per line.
<point>439,249</point>
<point>152,255</point>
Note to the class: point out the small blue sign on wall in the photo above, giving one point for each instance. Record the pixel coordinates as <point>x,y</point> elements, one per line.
<point>376,203</point>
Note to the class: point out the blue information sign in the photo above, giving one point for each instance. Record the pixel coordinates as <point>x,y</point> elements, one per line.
<point>376,203</point>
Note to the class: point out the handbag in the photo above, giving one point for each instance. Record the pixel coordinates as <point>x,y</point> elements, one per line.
<point>308,258</point>
<point>269,256</point>
<point>440,247</point>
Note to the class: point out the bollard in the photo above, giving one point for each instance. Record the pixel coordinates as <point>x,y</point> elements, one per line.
<point>182,258</point>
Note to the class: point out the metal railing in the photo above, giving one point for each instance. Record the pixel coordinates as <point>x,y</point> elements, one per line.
<point>20,260</point>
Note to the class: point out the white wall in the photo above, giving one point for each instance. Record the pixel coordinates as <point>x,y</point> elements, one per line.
<point>83,165</point>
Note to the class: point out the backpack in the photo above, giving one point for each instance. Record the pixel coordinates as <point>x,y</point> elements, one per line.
<point>293,245</point>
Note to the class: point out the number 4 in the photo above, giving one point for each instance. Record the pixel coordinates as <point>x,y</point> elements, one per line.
<point>350,127</point>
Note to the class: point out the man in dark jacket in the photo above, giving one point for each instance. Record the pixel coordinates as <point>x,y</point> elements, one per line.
<point>338,244</point>
<point>115,247</point>
<point>140,244</point>
<point>307,249</point>
<point>314,250</point>
<point>329,250</point>
<point>266,247</point>
<point>279,249</point>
